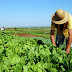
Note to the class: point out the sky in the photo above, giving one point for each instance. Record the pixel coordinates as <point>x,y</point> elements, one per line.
<point>26,13</point>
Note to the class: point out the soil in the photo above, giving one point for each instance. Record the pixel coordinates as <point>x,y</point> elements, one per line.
<point>27,35</point>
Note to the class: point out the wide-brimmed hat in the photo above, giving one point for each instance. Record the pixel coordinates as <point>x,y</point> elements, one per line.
<point>60,17</point>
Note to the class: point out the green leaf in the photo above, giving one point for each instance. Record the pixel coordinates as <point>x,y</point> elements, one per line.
<point>15,59</point>
<point>1,49</point>
<point>53,70</point>
<point>25,68</point>
<point>71,64</point>
<point>63,69</point>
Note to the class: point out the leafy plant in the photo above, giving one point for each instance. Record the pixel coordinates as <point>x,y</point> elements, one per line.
<point>19,54</point>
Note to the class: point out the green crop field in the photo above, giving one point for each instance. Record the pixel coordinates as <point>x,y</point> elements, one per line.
<point>31,54</point>
<point>39,31</point>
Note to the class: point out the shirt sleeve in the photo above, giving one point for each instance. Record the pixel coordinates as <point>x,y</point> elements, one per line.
<point>52,26</point>
<point>69,22</point>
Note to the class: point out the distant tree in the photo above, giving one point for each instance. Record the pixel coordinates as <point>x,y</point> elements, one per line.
<point>15,28</point>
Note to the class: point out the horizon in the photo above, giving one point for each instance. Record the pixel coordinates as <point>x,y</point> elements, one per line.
<point>28,27</point>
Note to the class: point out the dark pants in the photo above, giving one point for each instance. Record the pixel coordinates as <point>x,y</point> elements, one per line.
<point>60,40</point>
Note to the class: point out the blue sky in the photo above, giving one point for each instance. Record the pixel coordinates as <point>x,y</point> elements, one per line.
<point>22,13</point>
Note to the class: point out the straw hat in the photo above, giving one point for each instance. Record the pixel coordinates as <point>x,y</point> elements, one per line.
<point>60,17</point>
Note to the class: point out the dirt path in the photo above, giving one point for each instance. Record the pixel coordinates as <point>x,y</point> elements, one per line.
<point>27,35</point>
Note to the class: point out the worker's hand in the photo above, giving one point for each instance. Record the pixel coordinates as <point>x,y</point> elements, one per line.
<point>67,50</point>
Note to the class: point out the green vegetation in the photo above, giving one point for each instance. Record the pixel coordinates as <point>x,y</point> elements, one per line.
<point>21,54</point>
<point>40,31</point>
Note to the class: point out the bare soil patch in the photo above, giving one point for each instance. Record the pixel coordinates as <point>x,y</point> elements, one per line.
<point>27,35</point>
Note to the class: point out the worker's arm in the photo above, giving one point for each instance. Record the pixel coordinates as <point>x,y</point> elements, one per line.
<point>69,42</point>
<point>53,37</point>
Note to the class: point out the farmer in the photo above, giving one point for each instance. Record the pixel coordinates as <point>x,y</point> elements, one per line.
<point>2,28</point>
<point>62,21</point>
